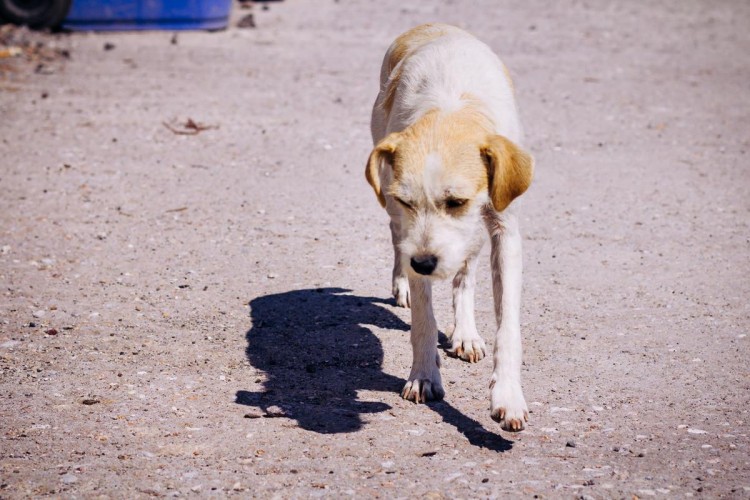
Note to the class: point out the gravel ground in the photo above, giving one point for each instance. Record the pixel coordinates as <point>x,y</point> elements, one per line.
<point>195,275</point>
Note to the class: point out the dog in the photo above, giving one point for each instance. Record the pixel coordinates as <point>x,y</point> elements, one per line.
<point>446,166</point>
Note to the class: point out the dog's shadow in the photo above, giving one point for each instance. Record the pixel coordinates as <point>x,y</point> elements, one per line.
<point>316,352</point>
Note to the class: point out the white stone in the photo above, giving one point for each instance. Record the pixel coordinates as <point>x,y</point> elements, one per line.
<point>68,479</point>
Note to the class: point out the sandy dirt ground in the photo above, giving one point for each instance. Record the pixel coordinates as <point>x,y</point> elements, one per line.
<point>209,314</point>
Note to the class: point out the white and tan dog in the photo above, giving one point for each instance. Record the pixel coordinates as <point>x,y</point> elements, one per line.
<point>446,165</point>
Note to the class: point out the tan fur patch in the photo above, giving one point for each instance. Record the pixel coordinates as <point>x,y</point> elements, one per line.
<point>456,138</point>
<point>390,91</point>
<point>508,77</point>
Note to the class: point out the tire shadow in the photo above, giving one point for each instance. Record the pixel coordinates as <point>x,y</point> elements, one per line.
<point>316,352</point>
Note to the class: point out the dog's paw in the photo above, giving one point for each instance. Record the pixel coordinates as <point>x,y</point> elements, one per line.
<point>508,404</point>
<point>468,348</point>
<point>401,291</point>
<point>421,390</point>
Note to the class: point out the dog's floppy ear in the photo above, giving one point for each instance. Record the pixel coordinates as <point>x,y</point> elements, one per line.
<point>383,153</point>
<point>509,168</point>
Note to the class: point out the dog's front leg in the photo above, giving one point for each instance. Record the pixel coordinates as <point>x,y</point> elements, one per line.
<point>400,282</point>
<point>424,380</point>
<point>465,340</point>
<point>508,404</point>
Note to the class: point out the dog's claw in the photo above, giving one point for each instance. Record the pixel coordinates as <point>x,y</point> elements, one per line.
<point>470,350</point>
<point>509,424</point>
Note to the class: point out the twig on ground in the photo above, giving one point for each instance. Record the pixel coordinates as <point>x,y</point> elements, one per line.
<point>190,127</point>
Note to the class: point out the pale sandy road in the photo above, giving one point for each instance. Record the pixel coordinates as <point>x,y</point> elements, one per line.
<point>150,246</point>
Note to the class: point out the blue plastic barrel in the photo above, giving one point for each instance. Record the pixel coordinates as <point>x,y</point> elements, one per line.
<point>121,15</point>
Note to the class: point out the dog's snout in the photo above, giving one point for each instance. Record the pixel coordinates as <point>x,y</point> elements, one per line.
<point>424,264</point>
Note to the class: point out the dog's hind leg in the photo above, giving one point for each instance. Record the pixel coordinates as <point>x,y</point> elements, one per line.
<point>465,340</point>
<point>424,381</point>
<point>508,406</point>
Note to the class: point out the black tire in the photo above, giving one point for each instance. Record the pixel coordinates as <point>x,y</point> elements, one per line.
<point>34,13</point>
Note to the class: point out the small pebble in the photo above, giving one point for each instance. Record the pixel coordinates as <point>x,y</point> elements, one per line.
<point>274,412</point>
<point>51,331</point>
<point>68,479</point>
<point>556,409</point>
<point>255,413</point>
<point>570,444</point>
<point>38,314</point>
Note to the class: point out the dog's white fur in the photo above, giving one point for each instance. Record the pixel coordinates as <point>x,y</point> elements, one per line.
<point>446,163</point>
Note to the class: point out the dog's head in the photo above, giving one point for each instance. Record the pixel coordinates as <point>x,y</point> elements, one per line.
<point>444,170</point>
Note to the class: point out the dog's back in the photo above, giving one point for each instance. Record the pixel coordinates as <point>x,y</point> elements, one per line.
<point>437,66</point>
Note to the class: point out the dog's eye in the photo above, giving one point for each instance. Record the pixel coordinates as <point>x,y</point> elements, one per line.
<point>403,203</point>
<point>455,203</point>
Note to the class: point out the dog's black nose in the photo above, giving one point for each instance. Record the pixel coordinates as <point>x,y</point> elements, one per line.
<point>424,264</point>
